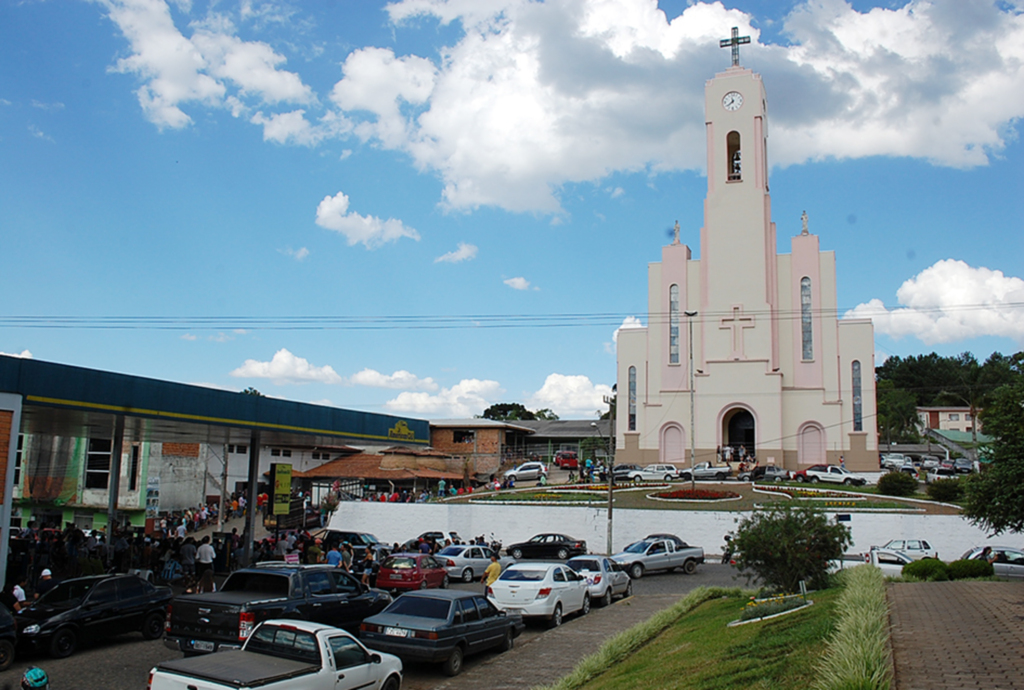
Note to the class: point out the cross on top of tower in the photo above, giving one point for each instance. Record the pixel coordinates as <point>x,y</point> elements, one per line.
<point>734,42</point>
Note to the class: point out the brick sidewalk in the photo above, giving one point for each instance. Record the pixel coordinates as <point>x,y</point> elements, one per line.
<point>948,635</point>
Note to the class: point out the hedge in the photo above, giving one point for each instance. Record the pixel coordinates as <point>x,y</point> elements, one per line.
<point>931,569</point>
<point>962,570</point>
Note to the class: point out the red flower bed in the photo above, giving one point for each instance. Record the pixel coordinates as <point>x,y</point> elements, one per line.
<point>698,494</point>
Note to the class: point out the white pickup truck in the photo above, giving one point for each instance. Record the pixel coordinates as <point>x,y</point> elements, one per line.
<point>285,655</point>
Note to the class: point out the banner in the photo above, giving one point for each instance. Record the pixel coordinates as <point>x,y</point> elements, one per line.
<point>282,474</point>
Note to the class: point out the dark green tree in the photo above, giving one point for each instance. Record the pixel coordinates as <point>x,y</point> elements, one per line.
<point>545,413</point>
<point>897,414</point>
<point>252,391</point>
<point>783,545</point>
<point>505,412</point>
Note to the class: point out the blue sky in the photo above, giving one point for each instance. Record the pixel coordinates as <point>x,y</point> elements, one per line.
<point>429,206</point>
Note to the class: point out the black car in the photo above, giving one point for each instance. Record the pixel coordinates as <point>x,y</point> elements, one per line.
<point>89,608</point>
<point>440,626</point>
<point>557,546</point>
<point>8,638</point>
<point>359,541</point>
<point>764,473</point>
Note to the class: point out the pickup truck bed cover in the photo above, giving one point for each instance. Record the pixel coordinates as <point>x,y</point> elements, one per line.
<point>239,668</point>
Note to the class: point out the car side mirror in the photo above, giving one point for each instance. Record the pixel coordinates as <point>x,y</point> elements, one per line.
<point>375,658</point>
<point>502,613</point>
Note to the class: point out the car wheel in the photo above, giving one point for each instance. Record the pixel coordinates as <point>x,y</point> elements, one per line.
<point>686,477</point>
<point>720,476</point>
<point>848,482</point>
<point>800,478</point>
<point>392,683</point>
<point>668,477</point>
<point>153,626</point>
<point>508,641</point>
<point>636,571</point>
<point>453,666</point>
<point>423,584</point>
<point>629,589</point>
<point>606,600</point>
<point>586,604</point>
<point>513,478</point>
<point>467,575</point>
<point>563,554</point>
<point>556,617</point>
<point>778,480</point>
<point>445,582</point>
<point>6,654</point>
<point>517,554</point>
<point>690,566</point>
<point>63,643</point>
<point>637,480</point>
<point>814,480</point>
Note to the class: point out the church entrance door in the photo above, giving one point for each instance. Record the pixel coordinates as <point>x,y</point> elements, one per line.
<point>739,435</point>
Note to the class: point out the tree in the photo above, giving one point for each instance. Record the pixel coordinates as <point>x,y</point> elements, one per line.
<point>504,412</point>
<point>994,498</point>
<point>783,545</point>
<point>546,414</point>
<point>897,414</point>
<point>252,391</point>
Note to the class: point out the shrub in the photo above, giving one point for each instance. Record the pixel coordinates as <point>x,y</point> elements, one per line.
<point>961,570</point>
<point>782,545</point>
<point>897,484</point>
<point>946,490</point>
<point>931,569</point>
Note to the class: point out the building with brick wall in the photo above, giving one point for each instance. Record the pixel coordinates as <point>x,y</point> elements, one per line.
<point>486,445</point>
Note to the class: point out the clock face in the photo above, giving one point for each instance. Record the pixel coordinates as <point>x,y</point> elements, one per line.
<point>732,100</point>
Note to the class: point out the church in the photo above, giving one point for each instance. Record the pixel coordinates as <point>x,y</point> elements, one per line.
<point>743,354</point>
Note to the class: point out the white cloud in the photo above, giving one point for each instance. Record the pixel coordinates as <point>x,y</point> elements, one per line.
<point>220,338</point>
<point>467,398</point>
<point>627,323</point>
<point>39,134</point>
<point>47,106</point>
<point>518,283</point>
<point>189,337</point>
<point>570,396</point>
<point>951,301</point>
<point>299,254</point>
<point>372,232</point>
<point>288,128</point>
<point>24,354</point>
<point>286,368</point>
<point>616,192</point>
<point>464,252</point>
<point>400,380</point>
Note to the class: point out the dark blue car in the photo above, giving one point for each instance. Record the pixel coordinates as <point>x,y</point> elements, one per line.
<point>440,626</point>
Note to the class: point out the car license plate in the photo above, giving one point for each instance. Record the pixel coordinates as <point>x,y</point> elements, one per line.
<point>202,646</point>
<point>396,632</point>
<point>396,576</point>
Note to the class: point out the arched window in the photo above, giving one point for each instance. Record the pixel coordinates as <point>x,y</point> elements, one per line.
<point>858,410</point>
<point>732,143</point>
<point>673,325</point>
<point>632,398</point>
<point>806,323</point>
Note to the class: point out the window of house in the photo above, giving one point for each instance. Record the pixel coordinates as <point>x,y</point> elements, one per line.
<point>806,322</point>
<point>967,417</point>
<point>732,142</point>
<point>954,417</point>
<point>632,398</point>
<point>97,463</point>
<point>286,453</point>
<point>275,452</point>
<point>858,410</point>
<point>463,436</point>
<point>673,324</point>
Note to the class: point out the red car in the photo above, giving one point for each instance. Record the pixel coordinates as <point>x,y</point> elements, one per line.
<point>412,571</point>
<point>566,460</point>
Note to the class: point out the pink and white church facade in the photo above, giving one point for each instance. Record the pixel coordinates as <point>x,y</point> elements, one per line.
<point>776,374</point>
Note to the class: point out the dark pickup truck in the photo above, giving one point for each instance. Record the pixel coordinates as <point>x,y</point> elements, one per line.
<point>201,623</point>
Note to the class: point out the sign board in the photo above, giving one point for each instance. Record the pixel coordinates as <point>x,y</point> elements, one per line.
<point>282,474</point>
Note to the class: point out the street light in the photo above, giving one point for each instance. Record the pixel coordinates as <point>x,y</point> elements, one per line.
<point>610,476</point>
<point>693,441</point>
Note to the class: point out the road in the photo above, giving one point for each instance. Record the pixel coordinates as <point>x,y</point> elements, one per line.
<point>123,663</point>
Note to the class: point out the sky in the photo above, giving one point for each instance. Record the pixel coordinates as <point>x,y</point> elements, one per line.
<point>425,207</point>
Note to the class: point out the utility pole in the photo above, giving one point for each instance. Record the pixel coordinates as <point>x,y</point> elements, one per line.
<point>693,440</point>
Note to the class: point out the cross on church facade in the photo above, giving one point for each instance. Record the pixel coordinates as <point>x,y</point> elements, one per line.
<point>734,42</point>
<point>737,322</point>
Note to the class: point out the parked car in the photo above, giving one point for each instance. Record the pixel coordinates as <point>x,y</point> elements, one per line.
<point>619,472</point>
<point>557,546</point>
<point>654,473</point>
<point>527,471</point>
<point>566,460</point>
<point>285,655</point>
<point>432,537</point>
<point>938,473</point>
<point>832,474</point>
<point>764,473</point>
<point>405,571</point>
<point>1007,561</point>
<point>705,470</point>
<point>441,627</point>
<point>927,462</point>
<point>893,460</point>
<point>605,578</point>
<point>8,638</point>
<point>658,554</point>
<point>201,623</point>
<point>359,541</point>
<point>963,466</point>
<point>915,549</point>
<point>889,562</point>
<point>541,590</point>
<point>468,562</point>
<point>90,608</point>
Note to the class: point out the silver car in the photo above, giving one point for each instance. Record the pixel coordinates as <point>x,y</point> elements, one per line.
<point>1006,561</point>
<point>467,562</point>
<point>527,471</point>
<point>605,580</point>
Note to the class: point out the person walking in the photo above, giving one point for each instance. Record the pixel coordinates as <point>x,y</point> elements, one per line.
<point>492,572</point>
<point>204,557</point>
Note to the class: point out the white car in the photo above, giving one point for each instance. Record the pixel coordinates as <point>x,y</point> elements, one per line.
<point>526,471</point>
<point>916,549</point>
<point>832,474</point>
<point>605,578</point>
<point>467,562</point>
<point>541,590</point>
<point>654,473</point>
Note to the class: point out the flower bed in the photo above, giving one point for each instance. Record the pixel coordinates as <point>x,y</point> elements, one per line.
<point>808,493</point>
<point>695,495</point>
<point>758,609</point>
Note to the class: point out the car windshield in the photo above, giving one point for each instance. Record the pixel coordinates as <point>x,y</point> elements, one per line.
<point>67,593</point>
<point>584,564</point>
<point>451,551</point>
<point>638,547</point>
<point>371,539</point>
<point>399,563</point>
<point>522,575</point>
<point>423,607</point>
